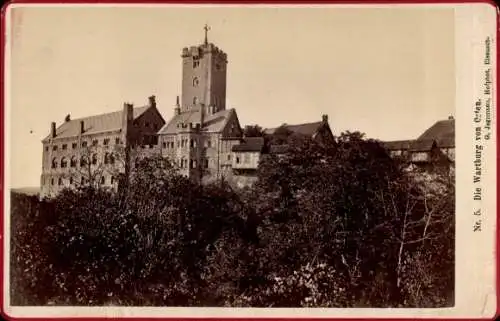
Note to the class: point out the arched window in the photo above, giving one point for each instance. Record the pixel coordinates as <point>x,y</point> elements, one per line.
<point>71,181</point>
<point>54,163</point>
<point>196,82</point>
<point>59,181</point>
<point>94,159</point>
<point>103,180</point>
<point>83,161</point>
<point>64,162</point>
<point>73,162</point>
<point>195,100</point>
<point>52,181</point>
<point>111,159</point>
<point>106,158</point>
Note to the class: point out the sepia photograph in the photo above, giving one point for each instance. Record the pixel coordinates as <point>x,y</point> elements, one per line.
<point>240,157</point>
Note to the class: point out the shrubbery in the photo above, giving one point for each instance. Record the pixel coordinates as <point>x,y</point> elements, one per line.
<point>340,226</point>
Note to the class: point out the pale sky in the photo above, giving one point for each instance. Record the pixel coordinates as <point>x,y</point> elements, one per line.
<point>389,73</point>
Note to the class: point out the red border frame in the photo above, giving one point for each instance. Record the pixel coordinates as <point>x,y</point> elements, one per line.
<point>2,142</point>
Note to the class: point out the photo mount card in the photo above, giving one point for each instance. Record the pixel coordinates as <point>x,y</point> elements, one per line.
<point>250,161</point>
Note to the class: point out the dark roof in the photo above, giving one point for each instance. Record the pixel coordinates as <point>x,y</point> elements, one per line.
<point>212,123</point>
<point>250,144</point>
<point>95,124</point>
<point>278,149</point>
<point>424,145</point>
<point>308,129</point>
<point>397,145</point>
<point>443,132</point>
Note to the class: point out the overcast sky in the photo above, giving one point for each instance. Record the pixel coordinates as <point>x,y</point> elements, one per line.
<point>386,72</point>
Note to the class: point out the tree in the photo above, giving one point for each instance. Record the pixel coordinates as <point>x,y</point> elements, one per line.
<point>253,131</point>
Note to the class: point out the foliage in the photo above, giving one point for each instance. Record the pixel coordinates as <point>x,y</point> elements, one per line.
<point>324,226</point>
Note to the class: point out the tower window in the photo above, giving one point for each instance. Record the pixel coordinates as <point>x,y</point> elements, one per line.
<point>196,62</point>
<point>195,100</point>
<point>196,82</point>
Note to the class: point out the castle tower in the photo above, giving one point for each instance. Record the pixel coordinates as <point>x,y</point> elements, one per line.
<point>204,77</point>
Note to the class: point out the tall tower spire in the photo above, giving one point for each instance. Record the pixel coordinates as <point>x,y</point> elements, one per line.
<point>206,28</point>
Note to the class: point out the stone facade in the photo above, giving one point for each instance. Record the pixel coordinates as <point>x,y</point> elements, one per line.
<point>96,149</point>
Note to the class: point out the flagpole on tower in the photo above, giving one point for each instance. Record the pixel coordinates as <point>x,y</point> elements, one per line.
<point>206,28</point>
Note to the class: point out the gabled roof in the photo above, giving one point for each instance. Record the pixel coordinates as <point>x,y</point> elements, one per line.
<point>308,129</point>
<point>443,132</point>
<point>250,144</point>
<point>424,145</point>
<point>212,123</point>
<point>95,124</point>
<point>397,145</point>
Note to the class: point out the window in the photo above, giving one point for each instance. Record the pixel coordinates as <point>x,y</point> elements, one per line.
<point>209,143</point>
<point>83,161</point>
<point>105,142</point>
<point>237,160</point>
<point>191,164</point>
<point>112,179</point>
<point>95,142</point>
<point>52,181</point>
<point>103,180</point>
<point>54,147</point>
<point>59,181</point>
<point>94,159</point>
<point>106,158</point>
<point>195,100</point>
<point>46,148</point>
<point>54,163</point>
<point>73,162</point>
<point>111,159</point>
<point>164,145</point>
<point>84,144</point>
<point>117,141</point>
<point>196,82</point>
<point>73,145</point>
<point>191,143</point>
<point>229,157</point>
<point>71,181</point>
<point>196,62</point>
<point>64,162</point>
<point>64,146</point>
<point>82,181</point>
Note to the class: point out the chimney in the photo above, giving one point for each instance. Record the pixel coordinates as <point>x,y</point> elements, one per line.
<point>53,129</point>
<point>177,109</point>
<point>82,127</point>
<point>152,101</point>
<point>127,117</point>
<point>325,118</point>
<point>67,118</point>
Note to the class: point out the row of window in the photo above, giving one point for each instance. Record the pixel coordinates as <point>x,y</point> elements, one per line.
<point>84,160</point>
<point>185,143</point>
<point>184,163</point>
<point>73,181</point>
<point>94,142</point>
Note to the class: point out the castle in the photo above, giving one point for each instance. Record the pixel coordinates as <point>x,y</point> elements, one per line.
<point>204,139</point>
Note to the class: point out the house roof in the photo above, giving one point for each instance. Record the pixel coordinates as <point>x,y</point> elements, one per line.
<point>443,132</point>
<point>95,124</point>
<point>423,145</point>
<point>212,123</point>
<point>397,145</point>
<point>308,129</point>
<point>250,144</point>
